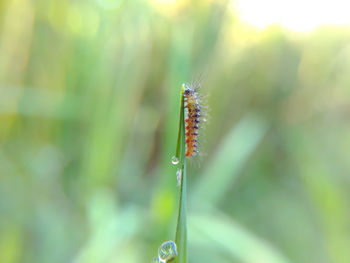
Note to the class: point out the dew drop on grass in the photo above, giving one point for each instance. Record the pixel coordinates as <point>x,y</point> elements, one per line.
<point>174,160</point>
<point>167,251</point>
<point>179,176</point>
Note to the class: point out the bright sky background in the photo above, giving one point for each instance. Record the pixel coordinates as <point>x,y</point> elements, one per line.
<point>297,15</point>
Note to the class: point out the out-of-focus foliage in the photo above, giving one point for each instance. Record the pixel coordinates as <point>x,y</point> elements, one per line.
<point>89,101</point>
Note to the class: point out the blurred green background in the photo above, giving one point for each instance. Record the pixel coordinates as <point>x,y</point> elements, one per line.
<point>89,104</point>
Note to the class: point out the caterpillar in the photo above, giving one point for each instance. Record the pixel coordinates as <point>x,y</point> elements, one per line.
<point>193,118</point>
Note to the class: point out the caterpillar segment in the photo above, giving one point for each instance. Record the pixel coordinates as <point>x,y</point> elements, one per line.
<point>192,121</point>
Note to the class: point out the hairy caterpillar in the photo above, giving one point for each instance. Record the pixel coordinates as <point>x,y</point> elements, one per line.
<point>193,119</point>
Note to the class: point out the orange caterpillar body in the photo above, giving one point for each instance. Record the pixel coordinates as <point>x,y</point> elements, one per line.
<point>192,120</point>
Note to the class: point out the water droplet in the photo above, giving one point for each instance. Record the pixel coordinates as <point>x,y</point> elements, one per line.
<point>167,251</point>
<point>174,160</point>
<point>179,176</point>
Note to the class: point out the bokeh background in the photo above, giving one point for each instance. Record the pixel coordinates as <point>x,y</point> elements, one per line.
<point>89,104</point>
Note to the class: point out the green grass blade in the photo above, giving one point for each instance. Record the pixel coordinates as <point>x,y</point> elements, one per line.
<point>181,228</point>
<point>233,152</point>
<point>181,133</point>
<point>216,229</point>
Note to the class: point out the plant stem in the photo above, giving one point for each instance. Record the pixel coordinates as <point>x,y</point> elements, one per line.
<point>181,132</point>
<point>181,229</point>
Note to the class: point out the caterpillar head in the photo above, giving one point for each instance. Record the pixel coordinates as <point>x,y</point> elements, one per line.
<point>188,91</point>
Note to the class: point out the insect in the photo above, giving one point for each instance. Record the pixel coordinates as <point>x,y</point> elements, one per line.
<point>193,118</point>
